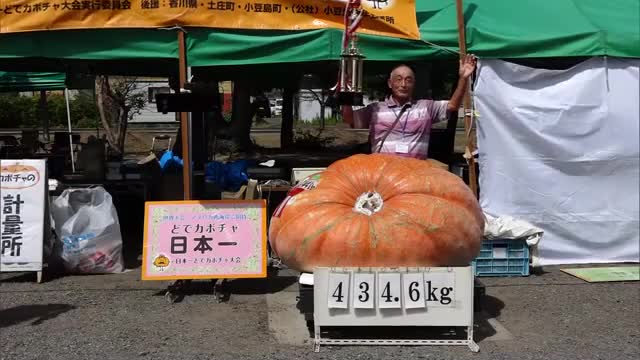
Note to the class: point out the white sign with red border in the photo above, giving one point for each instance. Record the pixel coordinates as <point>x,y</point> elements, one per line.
<point>22,212</point>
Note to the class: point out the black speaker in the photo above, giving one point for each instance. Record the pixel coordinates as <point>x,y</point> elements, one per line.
<point>349,98</point>
<point>186,102</point>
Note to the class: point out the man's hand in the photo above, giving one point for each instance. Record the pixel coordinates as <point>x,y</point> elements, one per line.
<point>467,66</point>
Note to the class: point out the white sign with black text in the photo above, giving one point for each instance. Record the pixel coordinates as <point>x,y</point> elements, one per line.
<point>394,297</point>
<point>391,290</point>
<point>339,282</point>
<point>364,290</point>
<point>440,288</point>
<point>22,212</point>
<point>413,290</point>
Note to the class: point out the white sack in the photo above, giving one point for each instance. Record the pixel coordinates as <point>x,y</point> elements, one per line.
<point>88,229</point>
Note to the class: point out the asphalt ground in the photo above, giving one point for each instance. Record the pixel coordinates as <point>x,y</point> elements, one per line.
<point>548,315</point>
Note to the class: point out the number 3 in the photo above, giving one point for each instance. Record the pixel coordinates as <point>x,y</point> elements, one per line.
<point>364,297</point>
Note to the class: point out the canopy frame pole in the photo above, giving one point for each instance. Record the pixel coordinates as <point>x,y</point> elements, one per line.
<point>184,119</point>
<point>462,43</point>
<point>73,161</point>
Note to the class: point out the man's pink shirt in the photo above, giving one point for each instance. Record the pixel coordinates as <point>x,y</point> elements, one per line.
<point>410,136</point>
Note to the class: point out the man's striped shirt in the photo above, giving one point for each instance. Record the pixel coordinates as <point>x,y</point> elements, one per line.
<point>410,136</point>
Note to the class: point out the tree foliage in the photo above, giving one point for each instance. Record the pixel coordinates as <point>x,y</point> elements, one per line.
<point>22,111</point>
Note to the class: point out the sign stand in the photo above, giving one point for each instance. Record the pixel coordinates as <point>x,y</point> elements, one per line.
<point>388,297</point>
<point>177,291</point>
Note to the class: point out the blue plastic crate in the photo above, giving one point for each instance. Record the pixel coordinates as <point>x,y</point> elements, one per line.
<point>502,258</point>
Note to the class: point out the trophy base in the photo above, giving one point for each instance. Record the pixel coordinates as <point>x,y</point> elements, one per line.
<point>350,98</point>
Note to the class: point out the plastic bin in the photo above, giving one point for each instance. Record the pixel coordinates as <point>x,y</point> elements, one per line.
<point>502,258</point>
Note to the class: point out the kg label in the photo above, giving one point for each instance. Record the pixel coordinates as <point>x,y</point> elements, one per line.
<point>440,289</point>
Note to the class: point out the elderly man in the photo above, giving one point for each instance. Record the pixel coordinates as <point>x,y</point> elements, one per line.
<point>401,125</point>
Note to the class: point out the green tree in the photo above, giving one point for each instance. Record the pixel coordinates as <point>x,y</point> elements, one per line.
<point>17,111</point>
<point>118,100</point>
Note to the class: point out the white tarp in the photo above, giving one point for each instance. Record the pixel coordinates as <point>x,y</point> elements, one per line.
<point>560,149</point>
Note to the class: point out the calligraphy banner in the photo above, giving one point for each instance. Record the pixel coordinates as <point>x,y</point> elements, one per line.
<point>22,197</point>
<point>205,240</point>
<point>396,18</point>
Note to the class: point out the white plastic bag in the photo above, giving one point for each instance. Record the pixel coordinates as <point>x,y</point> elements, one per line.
<point>87,226</point>
<point>507,227</point>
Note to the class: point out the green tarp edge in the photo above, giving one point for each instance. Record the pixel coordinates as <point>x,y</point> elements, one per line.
<point>31,81</point>
<point>495,29</point>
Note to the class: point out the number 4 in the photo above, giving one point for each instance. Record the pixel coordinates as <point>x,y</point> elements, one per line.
<point>338,290</point>
<point>386,293</point>
<point>389,291</point>
<point>338,293</point>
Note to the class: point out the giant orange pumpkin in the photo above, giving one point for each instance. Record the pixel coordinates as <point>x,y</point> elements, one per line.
<point>378,210</point>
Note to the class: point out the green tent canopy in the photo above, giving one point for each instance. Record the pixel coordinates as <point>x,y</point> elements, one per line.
<point>112,51</point>
<point>31,81</point>
<point>494,29</point>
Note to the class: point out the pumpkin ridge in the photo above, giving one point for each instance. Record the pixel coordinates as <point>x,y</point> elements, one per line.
<point>433,175</point>
<point>428,229</point>
<point>462,208</point>
<point>295,217</point>
<point>305,240</point>
<point>440,204</point>
<point>338,173</point>
<point>383,226</point>
<point>353,244</point>
<point>302,213</point>
<point>373,233</point>
<point>382,172</point>
<point>458,202</point>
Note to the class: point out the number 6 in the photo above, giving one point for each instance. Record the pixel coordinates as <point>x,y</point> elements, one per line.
<point>414,293</point>
<point>413,290</point>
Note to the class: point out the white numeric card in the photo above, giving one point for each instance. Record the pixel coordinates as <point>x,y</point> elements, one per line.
<point>440,288</point>
<point>413,291</point>
<point>338,294</point>
<point>389,291</point>
<point>363,291</point>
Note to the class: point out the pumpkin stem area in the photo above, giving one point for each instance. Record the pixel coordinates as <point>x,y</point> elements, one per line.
<point>368,203</point>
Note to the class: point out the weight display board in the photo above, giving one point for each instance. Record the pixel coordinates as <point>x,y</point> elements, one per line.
<point>393,296</point>
<point>435,296</point>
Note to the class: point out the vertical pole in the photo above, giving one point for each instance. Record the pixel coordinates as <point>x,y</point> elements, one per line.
<point>462,43</point>
<point>184,119</point>
<point>286,131</point>
<point>44,114</point>
<point>73,160</point>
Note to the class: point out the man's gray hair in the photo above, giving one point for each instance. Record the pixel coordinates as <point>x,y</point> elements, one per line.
<point>402,65</point>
